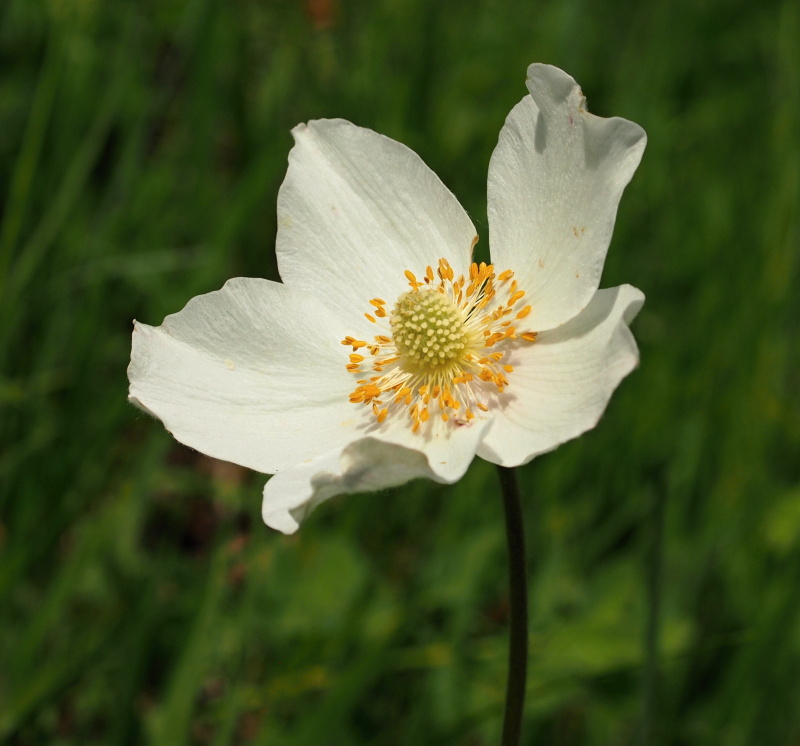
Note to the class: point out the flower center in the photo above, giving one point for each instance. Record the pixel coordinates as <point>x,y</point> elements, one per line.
<point>428,330</point>
<point>445,346</point>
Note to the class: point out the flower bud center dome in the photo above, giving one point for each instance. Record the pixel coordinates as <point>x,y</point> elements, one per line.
<point>428,329</point>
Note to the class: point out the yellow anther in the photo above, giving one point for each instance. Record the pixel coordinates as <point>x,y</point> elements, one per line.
<point>442,332</point>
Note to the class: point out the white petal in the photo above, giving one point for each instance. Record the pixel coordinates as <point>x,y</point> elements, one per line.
<point>392,456</point>
<point>252,373</point>
<point>449,447</point>
<point>357,210</point>
<point>555,181</point>
<point>364,466</point>
<point>562,382</point>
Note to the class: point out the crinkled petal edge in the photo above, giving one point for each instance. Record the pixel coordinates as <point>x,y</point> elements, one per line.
<point>365,465</point>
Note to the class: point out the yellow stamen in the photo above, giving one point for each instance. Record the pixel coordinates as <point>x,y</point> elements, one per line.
<point>437,346</point>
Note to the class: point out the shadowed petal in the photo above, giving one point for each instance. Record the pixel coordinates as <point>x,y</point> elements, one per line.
<point>390,457</point>
<point>555,181</point>
<point>563,381</point>
<point>367,465</point>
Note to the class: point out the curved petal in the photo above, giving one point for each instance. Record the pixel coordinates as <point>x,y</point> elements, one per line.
<point>449,448</point>
<point>367,465</point>
<point>555,181</point>
<point>252,373</point>
<point>356,210</point>
<point>562,383</point>
<point>390,457</point>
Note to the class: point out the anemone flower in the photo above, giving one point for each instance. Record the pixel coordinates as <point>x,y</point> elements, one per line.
<point>386,353</point>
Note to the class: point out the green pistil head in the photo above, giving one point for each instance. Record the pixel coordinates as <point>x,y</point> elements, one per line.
<point>428,329</point>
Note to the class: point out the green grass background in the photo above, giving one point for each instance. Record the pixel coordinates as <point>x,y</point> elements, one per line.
<point>142,601</point>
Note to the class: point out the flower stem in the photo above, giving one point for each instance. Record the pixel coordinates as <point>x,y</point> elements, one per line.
<point>518,602</point>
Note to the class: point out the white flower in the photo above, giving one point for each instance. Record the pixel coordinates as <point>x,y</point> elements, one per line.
<point>385,355</point>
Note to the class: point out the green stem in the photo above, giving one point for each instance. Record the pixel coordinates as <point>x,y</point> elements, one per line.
<point>518,601</point>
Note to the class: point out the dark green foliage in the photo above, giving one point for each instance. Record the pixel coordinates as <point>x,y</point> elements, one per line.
<point>141,600</point>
